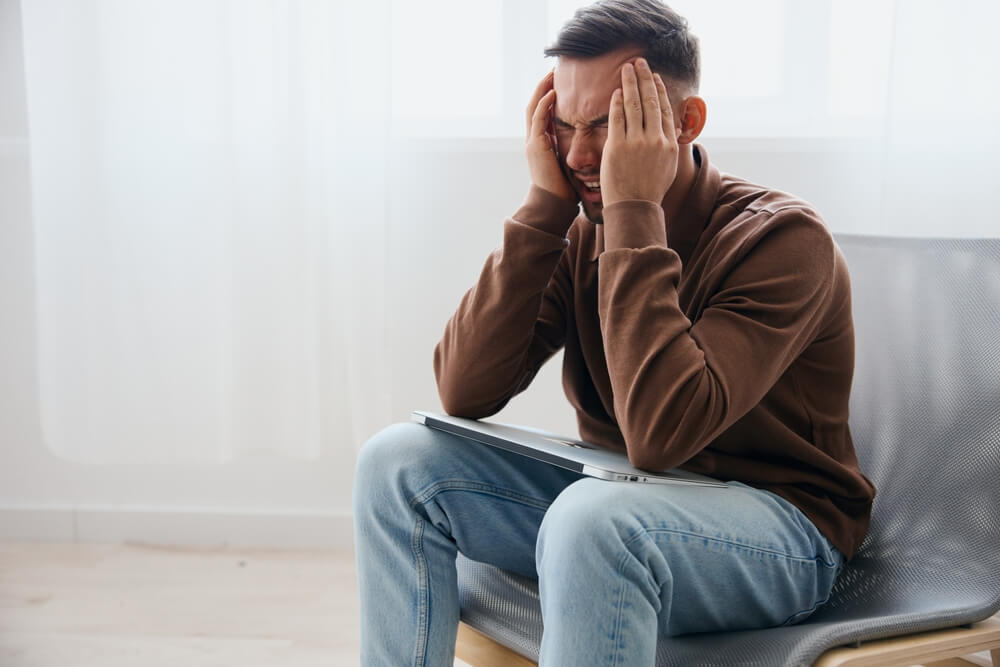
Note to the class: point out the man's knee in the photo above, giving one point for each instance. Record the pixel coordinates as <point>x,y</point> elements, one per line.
<point>581,517</point>
<point>392,441</point>
<point>388,457</point>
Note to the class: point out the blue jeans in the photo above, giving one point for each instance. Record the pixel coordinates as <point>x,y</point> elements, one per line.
<point>617,563</point>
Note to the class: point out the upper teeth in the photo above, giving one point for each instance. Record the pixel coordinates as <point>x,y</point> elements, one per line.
<point>594,184</point>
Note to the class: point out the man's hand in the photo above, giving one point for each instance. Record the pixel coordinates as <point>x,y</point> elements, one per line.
<point>640,156</point>
<point>540,145</point>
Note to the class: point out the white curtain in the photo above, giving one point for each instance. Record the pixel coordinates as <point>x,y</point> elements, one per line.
<point>211,183</point>
<point>210,210</point>
<point>941,136</point>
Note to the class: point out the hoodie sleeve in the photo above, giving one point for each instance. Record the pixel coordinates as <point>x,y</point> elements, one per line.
<point>678,385</point>
<point>514,317</point>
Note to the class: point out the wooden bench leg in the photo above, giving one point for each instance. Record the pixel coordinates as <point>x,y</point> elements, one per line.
<point>479,650</point>
<point>942,647</point>
<point>924,648</point>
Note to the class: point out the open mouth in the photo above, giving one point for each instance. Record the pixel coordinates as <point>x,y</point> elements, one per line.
<point>590,187</point>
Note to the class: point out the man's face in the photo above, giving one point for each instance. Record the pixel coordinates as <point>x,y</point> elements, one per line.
<point>580,120</point>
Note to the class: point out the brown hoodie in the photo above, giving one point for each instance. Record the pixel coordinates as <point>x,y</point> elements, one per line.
<point>722,343</point>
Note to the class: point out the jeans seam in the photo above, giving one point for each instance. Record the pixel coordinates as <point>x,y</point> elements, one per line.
<point>426,494</point>
<point>621,609</point>
<point>649,531</point>
<point>416,544</point>
<point>810,610</point>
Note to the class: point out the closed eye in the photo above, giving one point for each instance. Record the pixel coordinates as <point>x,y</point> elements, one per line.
<point>597,123</point>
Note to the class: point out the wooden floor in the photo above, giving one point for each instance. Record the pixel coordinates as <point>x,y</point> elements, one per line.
<point>95,605</point>
<point>90,605</point>
<point>111,605</point>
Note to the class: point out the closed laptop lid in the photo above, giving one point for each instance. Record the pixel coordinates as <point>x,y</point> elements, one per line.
<point>562,451</point>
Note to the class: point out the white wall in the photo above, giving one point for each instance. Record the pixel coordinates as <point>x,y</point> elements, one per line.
<point>447,204</point>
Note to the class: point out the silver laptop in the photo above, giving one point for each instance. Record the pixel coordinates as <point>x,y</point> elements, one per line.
<point>569,453</point>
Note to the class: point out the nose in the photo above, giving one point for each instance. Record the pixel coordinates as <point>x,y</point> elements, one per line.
<point>584,152</point>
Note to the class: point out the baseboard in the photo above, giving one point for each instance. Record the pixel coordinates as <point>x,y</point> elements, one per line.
<point>178,526</point>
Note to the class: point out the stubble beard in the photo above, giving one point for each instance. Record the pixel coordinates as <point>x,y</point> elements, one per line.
<point>593,212</point>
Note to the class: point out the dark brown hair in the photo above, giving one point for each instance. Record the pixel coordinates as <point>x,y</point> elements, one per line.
<point>608,25</point>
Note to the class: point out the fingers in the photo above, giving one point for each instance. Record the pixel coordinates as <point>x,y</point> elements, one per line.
<point>616,117</point>
<point>538,123</point>
<point>631,100</point>
<point>666,111</point>
<point>645,98</point>
<point>649,96</point>
<point>544,86</point>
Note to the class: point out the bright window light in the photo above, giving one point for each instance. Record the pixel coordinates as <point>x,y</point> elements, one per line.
<point>859,57</point>
<point>742,45</point>
<point>446,59</point>
<point>770,68</point>
<point>742,42</point>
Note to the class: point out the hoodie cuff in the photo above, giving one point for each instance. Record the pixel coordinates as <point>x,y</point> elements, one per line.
<point>634,223</point>
<point>547,212</point>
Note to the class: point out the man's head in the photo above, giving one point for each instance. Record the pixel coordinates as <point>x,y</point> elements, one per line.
<point>592,48</point>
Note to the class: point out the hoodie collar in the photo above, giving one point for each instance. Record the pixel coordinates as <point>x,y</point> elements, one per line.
<point>684,231</point>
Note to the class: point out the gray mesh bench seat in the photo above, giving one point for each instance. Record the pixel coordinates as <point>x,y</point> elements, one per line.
<point>925,416</point>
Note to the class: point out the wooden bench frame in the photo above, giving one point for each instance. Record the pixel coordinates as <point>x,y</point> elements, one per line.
<point>925,648</point>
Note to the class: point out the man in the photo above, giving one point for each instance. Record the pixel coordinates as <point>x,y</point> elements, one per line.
<point>706,324</point>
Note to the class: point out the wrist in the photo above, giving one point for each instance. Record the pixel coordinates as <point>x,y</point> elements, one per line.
<point>546,211</point>
<point>634,223</point>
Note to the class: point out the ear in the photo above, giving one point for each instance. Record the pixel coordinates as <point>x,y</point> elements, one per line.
<point>691,117</point>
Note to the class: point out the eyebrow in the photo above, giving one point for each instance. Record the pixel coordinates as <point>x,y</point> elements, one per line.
<point>594,123</point>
